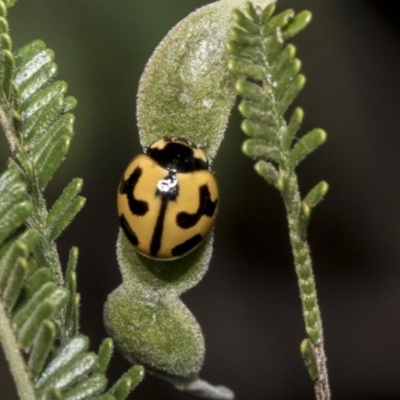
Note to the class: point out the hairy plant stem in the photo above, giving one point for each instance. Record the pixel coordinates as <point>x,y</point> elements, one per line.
<point>14,357</point>
<point>306,280</point>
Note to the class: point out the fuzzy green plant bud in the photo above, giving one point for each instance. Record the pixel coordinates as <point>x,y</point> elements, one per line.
<point>185,91</point>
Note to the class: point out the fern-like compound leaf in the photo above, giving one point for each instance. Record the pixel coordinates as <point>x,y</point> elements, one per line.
<point>269,81</point>
<point>35,295</point>
<point>47,127</point>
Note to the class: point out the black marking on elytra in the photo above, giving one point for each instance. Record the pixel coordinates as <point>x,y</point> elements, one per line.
<point>187,245</point>
<point>128,230</point>
<point>168,190</point>
<point>177,157</point>
<point>206,207</point>
<point>127,187</point>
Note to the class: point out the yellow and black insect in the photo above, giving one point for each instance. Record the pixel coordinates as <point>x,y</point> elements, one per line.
<point>168,199</point>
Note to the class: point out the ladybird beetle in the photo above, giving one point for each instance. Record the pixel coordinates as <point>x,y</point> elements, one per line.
<point>168,199</point>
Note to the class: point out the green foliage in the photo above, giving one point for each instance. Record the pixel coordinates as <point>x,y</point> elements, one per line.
<point>185,89</point>
<point>39,305</point>
<point>269,80</point>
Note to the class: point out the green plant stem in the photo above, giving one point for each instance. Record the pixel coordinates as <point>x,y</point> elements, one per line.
<point>14,357</point>
<point>305,276</point>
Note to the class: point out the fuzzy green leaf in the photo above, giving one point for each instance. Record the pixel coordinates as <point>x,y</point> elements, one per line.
<point>104,355</point>
<point>251,91</point>
<point>244,38</point>
<point>62,127</point>
<point>244,67</point>
<point>272,46</point>
<point>31,306</point>
<point>49,162</point>
<point>89,387</point>
<point>316,194</point>
<point>68,215</point>
<point>13,194</point>
<point>67,196</point>
<point>14,217</point>
<point>252,12</point>
<point>246,23</point>
<point>40,111</point>
<point>258,149</point>
<point>70,284</point>
<point>287,77</point>
<point>75,314</point>
<point>127,382</point>
<point>293,127</point>
<point>278,21</point>
<point>105,397</point>
<point>3,25</point>
<point>71,351</point>
<point>252,53</point>
<point>3,10</point>
<point>41,348</point>
<point>35,281</point>
<point>15,283</point>
<point>28,52</point>
<point>26,71</point>
<point>297,24</point>
<point>291,92</point>
<point>17,249</point>
<point>267,13</point>
<point>7,263</point>
<point>306,145</point>
<point>260,131</point>
<point>53,394</point>
<point>309,358</point>
<point>31,326</point>
<point>5,41</point>
<point>282,61</point>
<point>69,104</point>
<point>7,71</point>
<point>256,113</point>
<point>37,80</point>
<point>68,374</point>
<point>267,171</point>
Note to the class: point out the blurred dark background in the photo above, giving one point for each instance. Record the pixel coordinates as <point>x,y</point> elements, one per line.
<point>248,303</point>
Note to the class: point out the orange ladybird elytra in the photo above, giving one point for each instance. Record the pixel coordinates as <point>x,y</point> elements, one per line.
<point>168,199</point>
